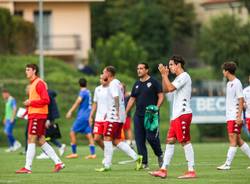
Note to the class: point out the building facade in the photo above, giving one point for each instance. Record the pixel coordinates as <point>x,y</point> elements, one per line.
<point>66,25</point>
<point>206,9</point>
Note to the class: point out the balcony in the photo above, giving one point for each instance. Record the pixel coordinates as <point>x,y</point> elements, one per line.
<point>61,45</point>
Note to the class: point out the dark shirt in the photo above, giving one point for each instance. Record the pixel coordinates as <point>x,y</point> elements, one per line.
<point>146,93</point>
<point>53,109</point>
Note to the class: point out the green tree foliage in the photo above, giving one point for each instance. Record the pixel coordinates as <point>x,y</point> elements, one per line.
<point>120,51</point>
<point>182,17</point>
<point>23,36</point>
<point>17,36</point>
<point>247,4</point>
<point>225,39</point>
<point>152,24</point>
<point>5,31</point>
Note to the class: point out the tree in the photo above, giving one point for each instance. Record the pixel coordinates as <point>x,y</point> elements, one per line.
<point>152,24</point>
<point>17,36</point>
<point>120,51</point>
<point>226,38</point>
<point>182,17</point>
<point>23,36</point>
<point>5,31</point>
<point>247,4</point>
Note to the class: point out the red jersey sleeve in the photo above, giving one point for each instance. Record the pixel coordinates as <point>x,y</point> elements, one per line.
<point>42,91</point>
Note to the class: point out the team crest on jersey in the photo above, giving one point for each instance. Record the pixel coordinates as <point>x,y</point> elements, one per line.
<point>149,84</point>
<point>232,85</point>
<point>137,86</point>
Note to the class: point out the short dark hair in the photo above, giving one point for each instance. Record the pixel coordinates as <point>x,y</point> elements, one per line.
<point>178,59</point>
<point>229,66</point>
<point>34,67</point>
<point>4,90</point>
<point>111,69</point>
<point>82,82</point>
<point>146,66</point>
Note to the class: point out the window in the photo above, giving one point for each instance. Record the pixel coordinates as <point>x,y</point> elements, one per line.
<point>46,27</point>
<point>18,13</point>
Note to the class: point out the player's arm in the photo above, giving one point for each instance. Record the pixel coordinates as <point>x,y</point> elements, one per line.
<point>245,102</point>
<point>13,112</point>
<point>240,110</point>
<point>240,97</point>
<point>117,104</point>
<point>93,111</point>
<point>160,99</point>
<point>74,106</point>
<point>130,104</point>
<point>166,84</point>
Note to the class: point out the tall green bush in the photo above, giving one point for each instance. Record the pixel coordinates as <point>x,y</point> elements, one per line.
<point>120,51</point>
<point>17,36</point>
<point>23,36</point>
<point>5,31</point>
<point>226,38</point>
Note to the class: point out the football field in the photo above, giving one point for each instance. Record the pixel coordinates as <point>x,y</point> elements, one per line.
<point>208,156</point>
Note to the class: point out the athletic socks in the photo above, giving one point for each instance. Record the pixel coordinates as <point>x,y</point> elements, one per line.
<point>56,143</point>
<point>245,149</point>
<point>30,154</point>
<point>169,152</point>
<point>189,154</point>
<point>51,153</point>
<point>230,155</point>
<point>128,150</point>
<point>11,140</point>
<point>73,148</point>
<point>92,149</point>
<point>108,153</point>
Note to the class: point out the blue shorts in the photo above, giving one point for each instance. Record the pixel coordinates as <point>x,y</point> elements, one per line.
<point>8,127</point>
<point>81,126</point>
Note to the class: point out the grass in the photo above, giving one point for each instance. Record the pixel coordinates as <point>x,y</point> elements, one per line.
<point>208,157</point>
<point>61,77</point>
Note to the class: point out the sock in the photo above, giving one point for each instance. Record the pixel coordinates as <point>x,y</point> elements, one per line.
<point>128,150</point>
<point>73,148</point>
<point>108,153</point>
<point>245,148</point>
<point>92,149</point>
<point>230,155</point>
<point>169,152</point>
<point>51,153</point>
<point>129,142</point>
<point>11,140</point>
<point>56,143</point>
<point>189,154</point>
<point>30,154</point>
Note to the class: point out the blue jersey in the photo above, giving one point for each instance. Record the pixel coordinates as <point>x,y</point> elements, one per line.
<point>85,105</point>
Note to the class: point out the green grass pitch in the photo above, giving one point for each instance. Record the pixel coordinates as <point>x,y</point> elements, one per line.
<point>208,156</point>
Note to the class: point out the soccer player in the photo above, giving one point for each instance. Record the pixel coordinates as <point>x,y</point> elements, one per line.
<point>115,118</point>
<point>246,93</point>
<point>9,120</point>
<point>52,128</point>
<point>234,109</point>
<point>146,91</point>
<point>37,105</point>
<point>179,129</point>
<point>81,123</point>
<point>99,108</point>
